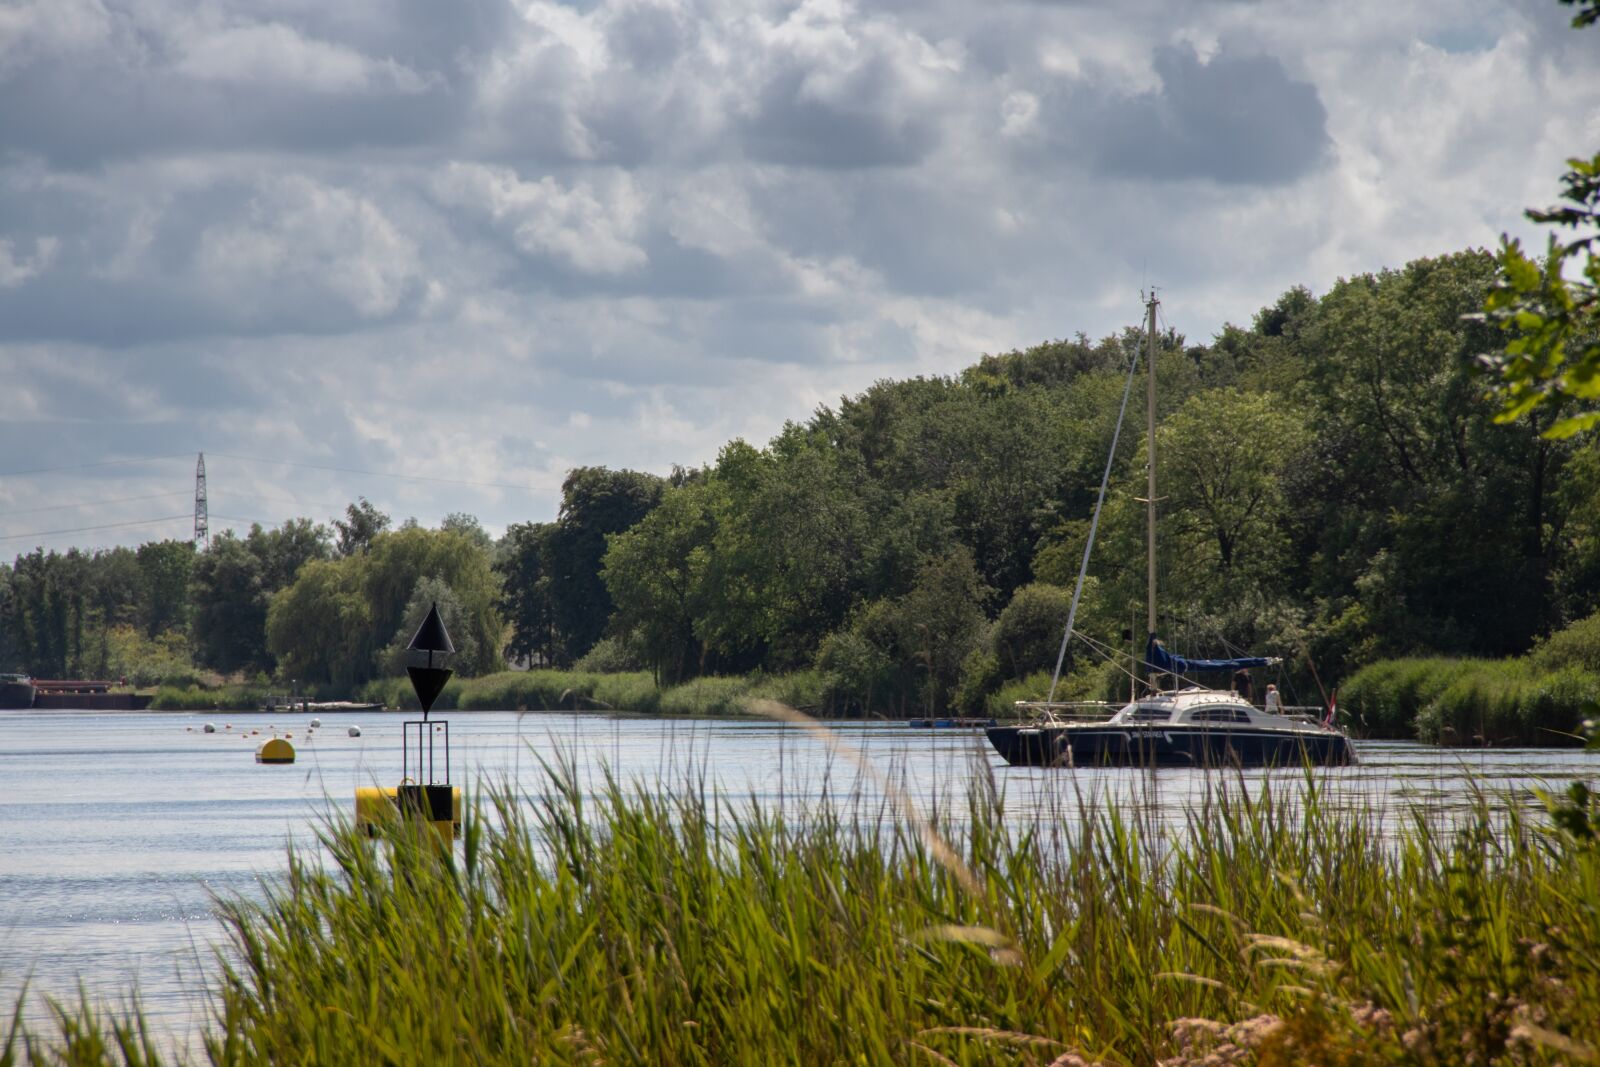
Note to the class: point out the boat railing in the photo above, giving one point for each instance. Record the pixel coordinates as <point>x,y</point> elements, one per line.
<point>1303,711</point>
<point>1074,710</point>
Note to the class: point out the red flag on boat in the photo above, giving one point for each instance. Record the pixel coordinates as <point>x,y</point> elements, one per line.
<point>1333,708</point>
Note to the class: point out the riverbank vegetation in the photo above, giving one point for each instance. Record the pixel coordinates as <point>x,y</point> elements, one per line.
<point>1336,493</point>
<point>621,691</point>
<point>1542,698</point>
<point>663,924</point>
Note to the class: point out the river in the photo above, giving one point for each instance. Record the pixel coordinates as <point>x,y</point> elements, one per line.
<point>116,829</point>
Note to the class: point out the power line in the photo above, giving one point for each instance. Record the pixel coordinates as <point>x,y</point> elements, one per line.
<point>85,466</point>
<point>257,496</point>
<point>384,474</point>
<point>264,523</point>
<point>91,504</point>
<point>86,529</point>
<point>286,463</point>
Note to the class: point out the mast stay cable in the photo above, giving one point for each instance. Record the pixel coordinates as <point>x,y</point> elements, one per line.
<point>1094,525</point>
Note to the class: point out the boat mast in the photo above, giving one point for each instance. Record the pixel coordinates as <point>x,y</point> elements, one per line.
<point>1150,418</point>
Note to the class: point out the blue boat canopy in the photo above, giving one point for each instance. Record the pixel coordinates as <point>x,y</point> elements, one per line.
<point>1157,656</point>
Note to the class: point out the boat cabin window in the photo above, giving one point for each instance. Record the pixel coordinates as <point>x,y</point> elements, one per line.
<point>1151,714</point>
<point>1222,714</point>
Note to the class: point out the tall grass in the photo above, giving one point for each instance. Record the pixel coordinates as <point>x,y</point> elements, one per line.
<point>666,925</point>
<point>228,697</point>
<point>1471,701</point>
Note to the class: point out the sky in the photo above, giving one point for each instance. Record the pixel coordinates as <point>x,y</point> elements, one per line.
<point>438,254</point>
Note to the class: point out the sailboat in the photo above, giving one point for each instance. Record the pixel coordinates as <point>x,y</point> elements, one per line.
<point>1172,723</point>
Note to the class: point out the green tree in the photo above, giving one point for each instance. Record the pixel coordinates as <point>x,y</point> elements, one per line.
<point>362,523</point>
<point>1408,460</point>
<point>788,540</point>
<point>320,627</point>
<point>11,653</point>
<point>998,457</point>
<point>145,661</point>
<point>654,573</point>
<point>463,523</point>
<point>907,654</point>
<point>164,570</point>
<point>1222,458</point>
<point>595,502</point>
<point>856,663</point>
<point>1550,309</point>
<point>1027,634</point>
<point>333,624</point>
<point>60,607</point>
<point>521,559</point>
<point>48,608</point>
<point>284,550</point>
<point>397,561</point>
<point>1575,579</point>
<point>464,635</point>
<point>228,607</point>
<point>112,588</point>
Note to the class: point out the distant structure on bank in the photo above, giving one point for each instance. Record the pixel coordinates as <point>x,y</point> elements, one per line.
<point>201,519</point>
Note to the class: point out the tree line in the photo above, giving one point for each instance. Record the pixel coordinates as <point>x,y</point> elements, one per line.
<point>1334,490</point>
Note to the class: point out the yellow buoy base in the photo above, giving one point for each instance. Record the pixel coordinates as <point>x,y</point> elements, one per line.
<point>275,750</point>
<point>437,805</point>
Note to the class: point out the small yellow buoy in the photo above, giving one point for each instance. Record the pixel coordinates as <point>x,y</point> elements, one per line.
<point>275,750</point>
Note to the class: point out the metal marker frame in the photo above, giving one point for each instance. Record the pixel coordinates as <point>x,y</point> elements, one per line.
<point>425,752</point>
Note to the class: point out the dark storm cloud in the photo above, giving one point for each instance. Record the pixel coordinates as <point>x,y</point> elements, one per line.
<point>1238,119</point>
<point>446,38</point>
<point>648,38</point>
<point>133,85</point>
<point>853,125</point>
<point>127,314</point>
<point>228,255</point>
<point>78,118</point>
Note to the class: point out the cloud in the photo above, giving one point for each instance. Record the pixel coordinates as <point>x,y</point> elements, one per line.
<point>1238,119</point>
<point>510,238</point>
<point>264,55</point>
<point>304,243</point>
<point>15,269</point>
<point>143,257</point>
<point>844,122</point>
<point>92,83</point>
<point>589,225</point>
<point>839,90</point>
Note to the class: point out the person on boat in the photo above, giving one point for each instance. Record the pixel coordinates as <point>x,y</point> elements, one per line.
<point>1274,705</point>
<point>1243,686</point>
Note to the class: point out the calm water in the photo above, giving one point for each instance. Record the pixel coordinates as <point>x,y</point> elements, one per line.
<point>116,829</point>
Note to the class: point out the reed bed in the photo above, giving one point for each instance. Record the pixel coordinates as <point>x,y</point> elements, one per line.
<point>664,924</point>
<point>226,697</point>
<point>627,691</point>
<point>1536,700</point>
